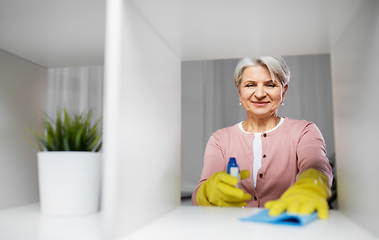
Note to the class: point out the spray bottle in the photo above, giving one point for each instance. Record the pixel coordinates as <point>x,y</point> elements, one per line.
<point>234,170</point>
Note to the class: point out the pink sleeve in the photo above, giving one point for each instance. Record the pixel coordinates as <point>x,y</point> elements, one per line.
<point>213,162</point>
<point>311,152</point>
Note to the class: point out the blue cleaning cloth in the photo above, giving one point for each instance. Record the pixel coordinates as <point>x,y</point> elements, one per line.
<point>284,218</point>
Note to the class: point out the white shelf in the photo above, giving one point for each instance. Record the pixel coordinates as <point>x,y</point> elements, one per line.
<point>185,222</point>
<point>27,223</point>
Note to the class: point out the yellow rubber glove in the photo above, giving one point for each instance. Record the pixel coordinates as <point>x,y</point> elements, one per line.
<point>219,190</point>
<point>309,193</point>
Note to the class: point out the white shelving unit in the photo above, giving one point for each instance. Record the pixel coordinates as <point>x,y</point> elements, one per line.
<point>146,40</point>
<point>184,222</point>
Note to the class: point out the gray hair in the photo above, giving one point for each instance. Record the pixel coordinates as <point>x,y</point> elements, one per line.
<point>275,64</point>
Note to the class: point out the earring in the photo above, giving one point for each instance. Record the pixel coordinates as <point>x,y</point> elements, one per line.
<point>282,103</point>
<point>240,103</point>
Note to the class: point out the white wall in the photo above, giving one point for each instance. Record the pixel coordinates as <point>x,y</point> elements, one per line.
<point>141,123</point>
<point>22,100</point>
<point>355,61</point>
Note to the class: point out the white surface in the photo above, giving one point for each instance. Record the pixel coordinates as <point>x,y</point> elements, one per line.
<point>141,123</point>
<point>215,29</point>
<point>27,223</point>
<point>185,222</point>
<point>69,182</point>
<point>355,62</point>
<point>71,33</point>
<point>223,223</point>
<point>112,106</point>
<point>22,99</point>
<point>54,33</point>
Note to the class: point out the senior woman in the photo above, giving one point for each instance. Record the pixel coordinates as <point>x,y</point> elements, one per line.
<point>283,160</point>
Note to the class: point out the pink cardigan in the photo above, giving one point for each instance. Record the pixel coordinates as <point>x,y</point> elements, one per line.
<point>292,148</point>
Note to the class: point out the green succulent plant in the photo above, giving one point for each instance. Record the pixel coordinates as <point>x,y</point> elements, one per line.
<point>69,133</point>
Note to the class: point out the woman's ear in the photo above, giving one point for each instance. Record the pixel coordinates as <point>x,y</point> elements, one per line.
<point>285,88</point>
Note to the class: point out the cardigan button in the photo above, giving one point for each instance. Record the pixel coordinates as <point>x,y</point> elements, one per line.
<point>261,175</point>
<point>255,198</point>
<point>264,134</point>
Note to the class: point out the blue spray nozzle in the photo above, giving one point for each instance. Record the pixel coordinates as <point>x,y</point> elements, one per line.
<point>232,163</point>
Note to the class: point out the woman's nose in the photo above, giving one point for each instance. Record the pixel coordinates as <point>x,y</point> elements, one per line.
<point>260,92</point>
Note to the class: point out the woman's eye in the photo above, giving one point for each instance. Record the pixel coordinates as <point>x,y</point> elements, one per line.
<point>250,85</point>
<point>271,85</point>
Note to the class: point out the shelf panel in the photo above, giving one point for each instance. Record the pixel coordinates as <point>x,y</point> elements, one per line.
<point>26,222</point>
<point>185,222</point>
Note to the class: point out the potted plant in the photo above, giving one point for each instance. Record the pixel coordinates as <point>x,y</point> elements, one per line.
<point>69,164</point>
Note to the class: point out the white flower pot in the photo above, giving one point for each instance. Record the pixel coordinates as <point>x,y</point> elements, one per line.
<point>69,182</point>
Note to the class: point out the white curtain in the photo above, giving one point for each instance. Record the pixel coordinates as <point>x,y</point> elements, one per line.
<point>77,89</point>
<point>210,102</point>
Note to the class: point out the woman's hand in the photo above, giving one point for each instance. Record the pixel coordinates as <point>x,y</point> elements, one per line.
<point>219,190</point>
<point>308,194</point>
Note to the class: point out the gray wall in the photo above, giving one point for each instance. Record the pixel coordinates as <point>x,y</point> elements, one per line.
<point>22,101</point>
<point>210,102</point>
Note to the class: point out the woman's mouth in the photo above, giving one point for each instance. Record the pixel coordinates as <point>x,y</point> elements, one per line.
<point>260,103</point>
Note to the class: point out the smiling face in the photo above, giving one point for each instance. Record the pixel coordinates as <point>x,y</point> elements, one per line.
<point>259,94</point>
